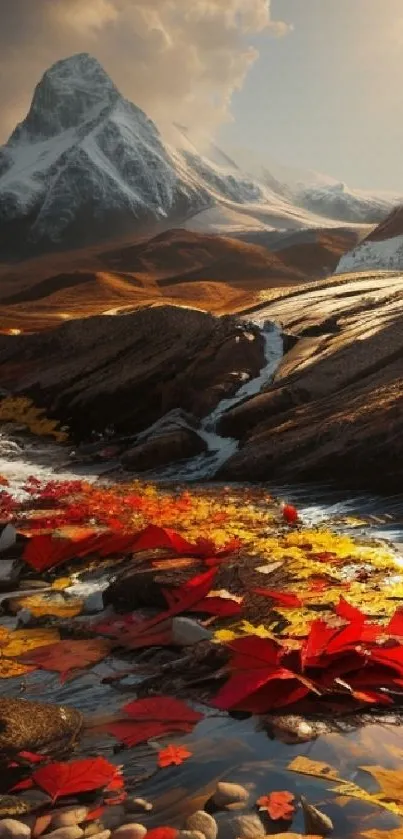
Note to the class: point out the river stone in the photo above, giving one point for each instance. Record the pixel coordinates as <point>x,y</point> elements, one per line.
<point>232,796</point>
<point>245,826</point>
<point>130,831</point>
<point>104,834</point>
<point>190,834</point>
<point>13,829</point>
<point>186,632</point>
<point>41,824</point>
<point>202,822</point>
<point>69,816</point>
<point>72,831</point>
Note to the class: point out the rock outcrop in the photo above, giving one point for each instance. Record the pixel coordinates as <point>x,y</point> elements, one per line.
<point>129,371</point>
<point>335,409</point>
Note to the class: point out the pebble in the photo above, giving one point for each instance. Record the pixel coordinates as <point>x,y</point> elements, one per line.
<point>68,816</point>
<point>190,834</point>
<point>245,826</point>
<point>70,832</point>
<point>230,796</point>
<point>13,829</point>
<point>138,805</point>
<point>103,834</point>
<point>202,822</point>
<point>187,632</point>
<point>130,831</point>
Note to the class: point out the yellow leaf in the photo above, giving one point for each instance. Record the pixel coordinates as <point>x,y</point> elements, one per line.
<point>260,631</point>
<point>353,791</point>
<point>383,834</point>
<point>22,640</point>
<point>224,635</point>
<point>389,780</point>
<point>10,668</point>
<point>42,606</point>
<point>62,583</point>
<point>306,766</point>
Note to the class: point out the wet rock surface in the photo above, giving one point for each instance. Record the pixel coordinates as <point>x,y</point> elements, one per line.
<point>334,411</point>
<point>164,449</point>
<point>130,371</point>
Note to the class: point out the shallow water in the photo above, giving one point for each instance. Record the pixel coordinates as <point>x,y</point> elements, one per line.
<point>222,747</point>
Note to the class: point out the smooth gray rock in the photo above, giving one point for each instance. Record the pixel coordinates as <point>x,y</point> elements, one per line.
<point>186,632</point>
<point>233,796</point>
<point>245,826</point>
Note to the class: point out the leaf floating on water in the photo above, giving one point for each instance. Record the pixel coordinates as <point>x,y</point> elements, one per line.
<point>20,641</point>
<point>279,805</point>
<point>382,834</point>
<point>389,780</point>
<point>68,655</point>
<point>9,668</point>
<point>153,717</point>
<point>78,776</point>
<point>315,768</point>
<point>173,756</point>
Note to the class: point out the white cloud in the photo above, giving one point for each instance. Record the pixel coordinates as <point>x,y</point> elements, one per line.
<point>177,59</point>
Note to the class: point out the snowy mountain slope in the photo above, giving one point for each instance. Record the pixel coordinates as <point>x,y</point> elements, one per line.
<point>319,194</point>
<point>381,250</point>
<point>86,164</point>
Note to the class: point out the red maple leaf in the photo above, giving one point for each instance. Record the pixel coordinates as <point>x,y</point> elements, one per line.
<point>78,776</point>
<point>173,755</point>
<point>284,598</point>
<point>279,805</point>
<point>154,717</point>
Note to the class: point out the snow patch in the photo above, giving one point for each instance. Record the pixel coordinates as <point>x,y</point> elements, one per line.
<point>385,255</point>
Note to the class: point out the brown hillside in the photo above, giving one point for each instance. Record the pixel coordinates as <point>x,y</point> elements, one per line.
<point>213,273</point>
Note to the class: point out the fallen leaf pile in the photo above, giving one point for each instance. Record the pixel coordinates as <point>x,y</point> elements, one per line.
<point>324,631</point>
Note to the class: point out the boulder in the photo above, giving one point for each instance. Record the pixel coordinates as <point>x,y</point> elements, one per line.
<point>167,448</point>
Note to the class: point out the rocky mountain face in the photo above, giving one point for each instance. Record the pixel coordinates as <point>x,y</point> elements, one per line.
<point>86,163</point>
<point>381,250</point>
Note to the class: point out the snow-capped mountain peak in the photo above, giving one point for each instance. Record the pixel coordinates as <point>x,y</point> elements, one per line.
<point>65,95</point>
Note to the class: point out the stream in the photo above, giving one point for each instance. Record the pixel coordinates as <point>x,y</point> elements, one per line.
<point>223,747</point>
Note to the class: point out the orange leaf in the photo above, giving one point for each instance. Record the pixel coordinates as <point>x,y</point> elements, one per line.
<point>68,655</point>
<point>279,805</point>
<point>173,755</point>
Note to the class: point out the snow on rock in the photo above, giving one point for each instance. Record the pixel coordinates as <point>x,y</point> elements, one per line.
<point>386,254</point>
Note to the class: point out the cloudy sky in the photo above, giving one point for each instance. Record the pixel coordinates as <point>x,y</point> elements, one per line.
<point>309,83</point>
